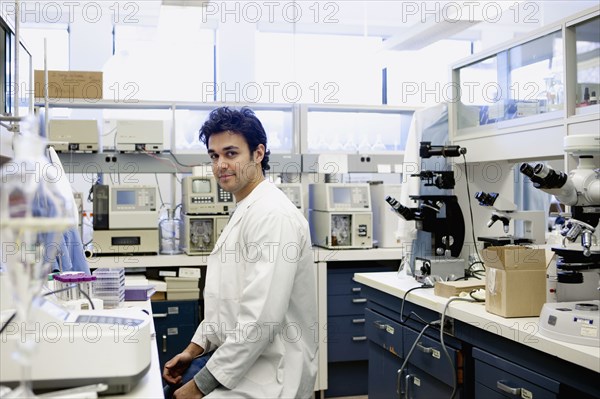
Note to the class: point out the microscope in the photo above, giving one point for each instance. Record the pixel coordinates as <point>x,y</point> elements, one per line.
<point>439,215</point>
<point>576,316</point>
<point>504,211</point>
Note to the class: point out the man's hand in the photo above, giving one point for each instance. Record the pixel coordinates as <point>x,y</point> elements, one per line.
<point>175,368</point>
<point>188,391</point>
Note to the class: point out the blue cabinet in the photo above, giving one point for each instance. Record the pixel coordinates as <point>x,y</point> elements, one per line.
<point>175,323</point>
<point>508,380</point>
<point>347,348</point>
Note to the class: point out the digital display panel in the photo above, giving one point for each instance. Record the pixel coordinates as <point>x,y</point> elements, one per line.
<point>125,197</point>
<point>342,196</point>
<point>201,186</point>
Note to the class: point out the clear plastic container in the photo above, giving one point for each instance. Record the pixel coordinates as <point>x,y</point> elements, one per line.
<point>169,230</point>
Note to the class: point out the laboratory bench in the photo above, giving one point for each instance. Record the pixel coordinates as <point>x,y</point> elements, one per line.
<point>497,357</point>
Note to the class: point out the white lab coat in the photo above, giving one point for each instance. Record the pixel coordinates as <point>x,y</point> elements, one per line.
<point>260,302</point>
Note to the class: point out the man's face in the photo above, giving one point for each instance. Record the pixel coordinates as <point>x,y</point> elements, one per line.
<point>236,169</point>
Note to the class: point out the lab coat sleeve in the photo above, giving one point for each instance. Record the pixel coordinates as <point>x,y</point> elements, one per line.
<point>268,276</point>
<point>201,339</point>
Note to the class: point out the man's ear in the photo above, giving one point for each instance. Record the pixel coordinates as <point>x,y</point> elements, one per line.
<point>259,153</point>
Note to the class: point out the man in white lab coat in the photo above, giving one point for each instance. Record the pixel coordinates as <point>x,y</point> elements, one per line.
<point>260,322</point>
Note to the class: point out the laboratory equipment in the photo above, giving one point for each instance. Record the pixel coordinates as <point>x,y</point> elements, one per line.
<point>341,230</point>
<point>447,228</point>
<point>347,197</point>
<point>201,232</point>
<point>443,268</point>
<point>169,230</point>
<point>340,215</point>
<point>33,215</point>
<point>294,192</point>
<point>578,258</point>
<point>125,219</point>
<point>439,215</point>
<point>73,135</point>
<point>77,348</point>
<point>385,225</point>
<point>139,135</point>
<point>109,286</point>
<point>534,222</point>
<point>202,195</point>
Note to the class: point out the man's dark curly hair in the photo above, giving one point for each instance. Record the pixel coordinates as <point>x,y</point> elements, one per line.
<point>242,121</point>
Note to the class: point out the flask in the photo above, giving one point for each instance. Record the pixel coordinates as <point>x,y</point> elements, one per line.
<point>169,230</point>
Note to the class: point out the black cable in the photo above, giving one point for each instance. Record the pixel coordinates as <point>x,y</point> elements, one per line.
<point>177,160</point>
<point>470,207</point>
<point>404,301</point>
<point>454,374</point>
<point>86,297</point>
<point>8,322</point>
<point>70,287</point>
<point>162,203</point>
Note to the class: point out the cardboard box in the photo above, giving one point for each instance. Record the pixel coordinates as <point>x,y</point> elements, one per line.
<point>515,280</point>
<point>69,84</point>
<point>454,288</point>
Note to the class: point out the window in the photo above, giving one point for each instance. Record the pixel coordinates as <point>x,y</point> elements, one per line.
<point>57,46</point>
<point>321,69</point>
<point>167,62</point>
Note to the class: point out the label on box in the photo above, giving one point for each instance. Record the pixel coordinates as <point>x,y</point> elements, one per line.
<point>189,272</point>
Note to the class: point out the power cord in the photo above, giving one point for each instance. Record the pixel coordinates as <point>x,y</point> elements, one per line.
<point>471,210</point>
<point>403,321</point>
<point>445,350</point>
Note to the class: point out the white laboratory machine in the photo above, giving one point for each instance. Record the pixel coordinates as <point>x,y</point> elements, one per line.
<point>125,219</point>
<point>578,257</point>
<point>201,233</point>
<point>202,195</point>
<point>139,136</point>
<point>385,221</point>
<point>73,135</point>
<point>77,348</point>
<point>294,193</point>
<point>340,215</point>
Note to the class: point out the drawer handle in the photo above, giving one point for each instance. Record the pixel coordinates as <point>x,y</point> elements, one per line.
<point>503,386</point>
<point>358,321</point>
<point>408,381</point>
<point>361,338</point>
<point>380,325</point>
<point>424,349</point>
<point>356,289</point>
<point>164,348</point>
<point>359,300</point>
<point>159,315</point>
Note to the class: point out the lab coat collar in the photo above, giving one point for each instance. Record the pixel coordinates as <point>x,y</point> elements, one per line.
<point>240,209</point>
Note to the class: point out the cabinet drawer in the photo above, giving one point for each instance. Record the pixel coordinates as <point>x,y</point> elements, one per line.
<point>176,310</point>
<point>429,355</point>
<point>419,384</point>
<point>510,379</point>
<point>346,338</point>
<point>345,305</point>
<point>384,332</point>
<point>341,282</point>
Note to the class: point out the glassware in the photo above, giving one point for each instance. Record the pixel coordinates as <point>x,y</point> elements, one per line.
<point>169,230</point>
<point>33,216</point>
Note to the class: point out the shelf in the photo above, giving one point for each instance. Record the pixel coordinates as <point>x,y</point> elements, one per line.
<point>130,261</point>
<point>128,164</point>
<point>528,93</point>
